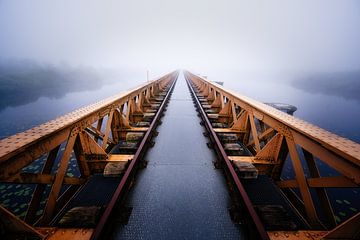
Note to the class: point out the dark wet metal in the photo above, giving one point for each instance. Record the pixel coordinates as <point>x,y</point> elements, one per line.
<point>264,192</point>
<point>254,220</point>
<point>129,174</point>
<point>179,195</point>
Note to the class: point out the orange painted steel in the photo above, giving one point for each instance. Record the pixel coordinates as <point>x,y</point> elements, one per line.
<point>256,225</point>
<point>272,136</point>
<point>129,174</point>
<point>80,133</point>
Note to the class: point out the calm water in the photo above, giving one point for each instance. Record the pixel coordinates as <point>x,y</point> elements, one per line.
<point>332,112</point>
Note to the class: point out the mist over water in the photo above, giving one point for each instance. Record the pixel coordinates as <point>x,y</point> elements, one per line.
<point>57,56</point>
<point>329,100</point>
<point>33,93</point>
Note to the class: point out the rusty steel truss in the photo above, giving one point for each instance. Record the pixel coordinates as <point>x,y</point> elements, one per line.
<point>88,133</point>
<point>272,137</point>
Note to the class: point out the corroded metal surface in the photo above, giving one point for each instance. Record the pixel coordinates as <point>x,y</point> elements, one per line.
<point>57,131</point>
<point>86,135</point>
<point>179,195</point>
<point>268,135</point>
<point>347,149</point>
<point>272,136</point>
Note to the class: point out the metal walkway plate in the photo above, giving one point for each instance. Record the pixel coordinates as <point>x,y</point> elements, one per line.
<point>180,195</point>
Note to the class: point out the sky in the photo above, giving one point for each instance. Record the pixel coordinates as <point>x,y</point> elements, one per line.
<point>201,35</point>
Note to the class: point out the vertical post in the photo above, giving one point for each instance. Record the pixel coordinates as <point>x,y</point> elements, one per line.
<point>222,100</point>
<point>321,192</point>
<point>59,177</point>
<point>108,128</point>
<point>98,127</point>
<point>40,188</point>
<point>303,187</point>
<point>81,144</point>
<point>254,132</point>
<point>128,110</point>
<point>233,110</point>
<point>140,101</point>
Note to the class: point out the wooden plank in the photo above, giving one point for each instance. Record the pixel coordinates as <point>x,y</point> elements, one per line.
<point>250,160</point>
<point>137,129</point>
<point>21,149</point>
<point>227,130</point>
<point>346,148</point>
<point>242,158</point>
<point>119,157</point>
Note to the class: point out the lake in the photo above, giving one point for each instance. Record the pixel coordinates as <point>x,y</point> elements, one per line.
<point>333,112</point>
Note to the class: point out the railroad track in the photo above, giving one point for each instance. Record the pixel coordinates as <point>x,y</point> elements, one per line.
<point>109,140</point>
<point>243,199</point>
<point>250,147</point>
<point>108,161</point>
<point>127,178</point>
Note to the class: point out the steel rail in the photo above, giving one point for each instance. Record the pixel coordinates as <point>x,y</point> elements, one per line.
<point>122,187</point>
<point>345,153</point>
<point>260,229</point>
<point>292,139</point>
<point>19,150</point>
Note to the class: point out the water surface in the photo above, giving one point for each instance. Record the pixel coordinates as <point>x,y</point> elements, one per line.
<point>331,110</point>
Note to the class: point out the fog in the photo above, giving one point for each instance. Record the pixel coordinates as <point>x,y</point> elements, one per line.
<point>206,36</point>
<point>312,45</point>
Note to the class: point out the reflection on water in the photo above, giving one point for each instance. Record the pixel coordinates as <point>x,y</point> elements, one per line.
<point>336,111</point>
<point>31,94</point>
<point>15,119</point>
<point>342,84</point>
<point>24,81</point>
<point>330,111</point>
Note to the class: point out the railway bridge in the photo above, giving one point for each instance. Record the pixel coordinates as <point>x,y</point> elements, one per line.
<point>146,169</point>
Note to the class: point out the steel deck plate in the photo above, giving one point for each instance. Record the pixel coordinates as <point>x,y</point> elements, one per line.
<point>96,192</point>
<point>179,195</point>
<point>262,191</point>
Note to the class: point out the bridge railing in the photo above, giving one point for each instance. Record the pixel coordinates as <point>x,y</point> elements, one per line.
<point>85,134</point>
<point>274,136</point>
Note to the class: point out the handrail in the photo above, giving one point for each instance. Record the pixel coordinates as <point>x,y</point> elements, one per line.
<point>347,148</point>
<point>76,132</point>
<point>19,150</point>
<point>130,171</point>
<point>272,135</point>
<point>255,220</point>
